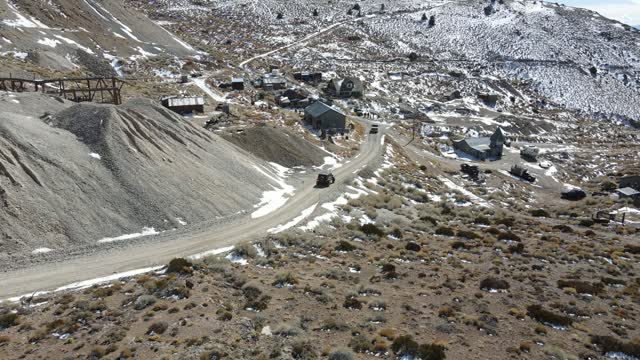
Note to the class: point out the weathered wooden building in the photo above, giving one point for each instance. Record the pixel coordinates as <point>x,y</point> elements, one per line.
<point>237,83</point>
<point>483,148</point>
<point>322,116</point>
<point>184,104</point>
<point>310,77</point>
<point>345,88</point>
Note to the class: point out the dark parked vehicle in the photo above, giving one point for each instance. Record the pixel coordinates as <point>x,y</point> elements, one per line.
<point>374,129</point>
<point>325,180</point>
<point>574,194</point>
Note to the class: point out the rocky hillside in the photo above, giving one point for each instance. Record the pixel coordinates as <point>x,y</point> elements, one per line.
<point>54,31</point>
<point>90,172</point>
<point>572,58</point>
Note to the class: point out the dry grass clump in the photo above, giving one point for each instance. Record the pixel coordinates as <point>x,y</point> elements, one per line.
<point>582,287</point>
<point>285,280</point>
<point>547,317</point>
<point>371,229</point>
<point>345,246</point>
<point>445,231</point>
<point>255,299</point>
<point>157,328</point>
<point>8,320</point>
<point>352,303</point>
<point>494,284</point>
<point>180,266</point>
<point>608,344</point>
<point>405,346</point>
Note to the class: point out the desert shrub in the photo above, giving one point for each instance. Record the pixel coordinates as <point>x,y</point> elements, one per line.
<point>224,315</point>
<point>8,320</point>
<point>342,354</point>
<point>65,299</point>
<point>516,249</point>
<point>430,219</point>
<point>245,250</point>
<point>506,221</point>
<point>255,299</point>
<point>587,222</point>
<point>582,287</point>
<point>371,229</point>
<point>540,213</point>
<point>286,330</point>
<point>431,352</point>
<point>563,228</point>
<point>404,346</point>
<point>445,231</point>
<point>283,280</point>
<point>345,246</point>
<point>211,355</point>
<point>303,350</point>
<point>546,317</point>
<point>457,245</point>
<point>482,220</point>
<point>332,324</point>
<point>412,246</point>
<point>608,185</point>
<point>4,340</point>
<point>157,328</point>
<point>360,344</point>
<point>508,236</point>
<point>113,336</point>
<point>612,281</point>
<point>491,283</point>
<point>352,303</point>
<point>97,352</point>
<point>180,266</point>
<point>62,326</point>
<point>144,301</point>
<point>467,234</point>
<point>608,344</point>
<point>632,249</point>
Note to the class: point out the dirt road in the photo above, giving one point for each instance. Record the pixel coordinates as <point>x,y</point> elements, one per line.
<point>50,276</point>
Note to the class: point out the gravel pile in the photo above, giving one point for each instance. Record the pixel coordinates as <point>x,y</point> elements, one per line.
<point>278,145</point>
<point>93,171</point>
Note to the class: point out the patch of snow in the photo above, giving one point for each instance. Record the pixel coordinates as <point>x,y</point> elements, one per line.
<point>273,199</point>
<point>49,42</point>
<point>95,156</point>
<point>211,253</point>
<point>294,222</point>
<point>476,199</point>
<point>88,283</point>
<point>145,232</point>
<point>43,250</point>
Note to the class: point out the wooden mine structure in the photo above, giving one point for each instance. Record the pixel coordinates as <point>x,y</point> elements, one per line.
<point>89,89</point>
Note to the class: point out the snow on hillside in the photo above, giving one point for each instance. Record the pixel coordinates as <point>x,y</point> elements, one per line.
<point>56,30</point>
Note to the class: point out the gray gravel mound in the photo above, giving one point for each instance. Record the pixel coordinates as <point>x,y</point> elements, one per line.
<point>93,171</point>
<point>278,145</point>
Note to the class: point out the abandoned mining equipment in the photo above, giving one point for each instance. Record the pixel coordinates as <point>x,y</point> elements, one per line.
<point>521,172</point>
<point>325,180</point>
<point>573,194</point>
<point>471,170</point>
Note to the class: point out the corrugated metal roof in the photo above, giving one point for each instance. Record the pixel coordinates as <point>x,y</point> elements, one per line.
<point>319,108</point>
<point>237,80</point>
<point>629,191</point>
<point>186,101</point>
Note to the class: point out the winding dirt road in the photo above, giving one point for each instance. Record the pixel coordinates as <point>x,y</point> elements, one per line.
<point>51,276</point>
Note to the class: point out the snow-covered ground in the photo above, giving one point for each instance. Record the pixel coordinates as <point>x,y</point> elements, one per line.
<point>273,199</point>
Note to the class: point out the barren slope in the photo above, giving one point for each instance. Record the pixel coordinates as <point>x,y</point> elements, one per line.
<point>103,171</point>
<point>58,28</point>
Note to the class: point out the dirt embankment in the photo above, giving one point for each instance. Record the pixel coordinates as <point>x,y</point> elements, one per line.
<point>94,171</point>
<point>278,145</point>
